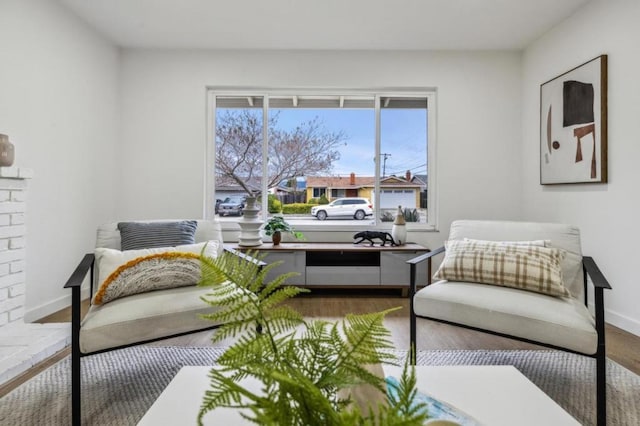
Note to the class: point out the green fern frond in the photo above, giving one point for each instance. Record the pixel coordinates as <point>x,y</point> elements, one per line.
<point>301,365</point>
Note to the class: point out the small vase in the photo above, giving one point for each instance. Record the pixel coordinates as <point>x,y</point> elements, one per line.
<point>276,238</point>
<point>7,151</point>
<point>399,228</point>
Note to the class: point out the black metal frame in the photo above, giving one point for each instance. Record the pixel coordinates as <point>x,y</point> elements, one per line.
<point>600,283</point>
<point>75,283</point>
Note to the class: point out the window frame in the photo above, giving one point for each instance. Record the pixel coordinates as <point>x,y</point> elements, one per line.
<point>430,94</point>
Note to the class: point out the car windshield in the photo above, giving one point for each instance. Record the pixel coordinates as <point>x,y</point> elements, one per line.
<point>232,200</point>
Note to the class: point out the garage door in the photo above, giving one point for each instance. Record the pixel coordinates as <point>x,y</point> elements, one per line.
<point>392,198</point>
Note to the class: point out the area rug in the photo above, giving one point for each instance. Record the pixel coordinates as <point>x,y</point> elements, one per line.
<point>119,386</point>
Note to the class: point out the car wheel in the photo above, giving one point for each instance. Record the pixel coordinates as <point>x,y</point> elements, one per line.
<point>321,215</point>
<point>359,215</point>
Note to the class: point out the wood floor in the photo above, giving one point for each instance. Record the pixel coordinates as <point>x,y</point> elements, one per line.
<point>622,347</point>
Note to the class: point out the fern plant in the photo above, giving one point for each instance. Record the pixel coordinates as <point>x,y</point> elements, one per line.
<point>300,364</point>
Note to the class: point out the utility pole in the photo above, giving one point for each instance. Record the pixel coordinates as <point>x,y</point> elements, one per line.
<point>384,163</point>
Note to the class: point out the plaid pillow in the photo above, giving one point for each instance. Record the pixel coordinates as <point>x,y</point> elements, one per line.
<point>527,267</point>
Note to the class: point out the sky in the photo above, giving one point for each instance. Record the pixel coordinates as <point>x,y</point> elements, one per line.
<point>403,138</point>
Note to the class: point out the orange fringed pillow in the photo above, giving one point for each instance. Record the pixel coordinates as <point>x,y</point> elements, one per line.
<point>137,271</point>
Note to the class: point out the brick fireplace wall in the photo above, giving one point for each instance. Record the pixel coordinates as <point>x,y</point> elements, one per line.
<point>13,207</point>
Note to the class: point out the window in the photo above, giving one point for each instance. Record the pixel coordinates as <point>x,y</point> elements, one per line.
<point>293,149</point>
<point>318,192</point>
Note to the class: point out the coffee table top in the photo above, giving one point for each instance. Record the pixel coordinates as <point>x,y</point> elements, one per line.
<point>493,395</point>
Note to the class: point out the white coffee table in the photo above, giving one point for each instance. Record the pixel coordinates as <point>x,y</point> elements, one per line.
<point>493,395</point>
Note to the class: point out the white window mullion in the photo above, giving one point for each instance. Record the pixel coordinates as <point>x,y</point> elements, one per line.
<point>432,191</point>
<point>210,159</point>
<point>265,155</point>
<point>376,180</point>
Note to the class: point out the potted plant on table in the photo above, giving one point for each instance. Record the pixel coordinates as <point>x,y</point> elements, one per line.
<point>276,225</point>
<point>305,372</point>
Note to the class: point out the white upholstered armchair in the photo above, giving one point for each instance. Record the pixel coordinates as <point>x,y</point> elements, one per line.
<point>125,308</point>
<point>522,280</point>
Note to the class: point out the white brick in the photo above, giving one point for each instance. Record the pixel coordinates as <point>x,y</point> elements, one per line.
<point>4,244</point>
<point>11,255</point>
<point>16,314</point>
<point>12,231</point>
<point>5,219</point>
<point>16,290</point>
<point>5,269</point>
<point>4,318</point>
<point>12,207</point>
<point>17,219</point>
<point>13,184</point>
<point>17,243</point>
<point>5,195</point>
<point>12,279</point>
<point>18,195</point>
<point>12,303</point>
<point>17,266</point>
<point>9,172</point>
<point>4,294</point>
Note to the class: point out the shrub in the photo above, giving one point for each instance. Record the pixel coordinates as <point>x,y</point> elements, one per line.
<point>313,201</point>
<point>296,208</point>
<point>411,215</point>
<point>323,199</point>
<point>387,217</point>
<point>273,204</point>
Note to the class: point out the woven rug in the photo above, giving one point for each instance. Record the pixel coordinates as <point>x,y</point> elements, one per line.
<point>119,386</point>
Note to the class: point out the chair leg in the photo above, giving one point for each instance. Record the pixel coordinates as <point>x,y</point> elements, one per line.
<point>413,350</point>
<point>601,387</point>
<point>76,412</point>
<point>412,337</point>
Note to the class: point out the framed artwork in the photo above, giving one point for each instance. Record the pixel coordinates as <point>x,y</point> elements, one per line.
<point>573,125</point>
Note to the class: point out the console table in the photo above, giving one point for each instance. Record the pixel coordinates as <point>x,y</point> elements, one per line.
<point>345,265</point>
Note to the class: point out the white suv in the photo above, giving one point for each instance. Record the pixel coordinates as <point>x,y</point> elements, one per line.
<point>357,208</point>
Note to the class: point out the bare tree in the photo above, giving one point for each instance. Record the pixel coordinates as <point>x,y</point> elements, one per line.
<point>306,150</point>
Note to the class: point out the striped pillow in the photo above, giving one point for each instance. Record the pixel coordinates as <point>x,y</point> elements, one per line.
<point>141,235</point>
<point>527,267</point>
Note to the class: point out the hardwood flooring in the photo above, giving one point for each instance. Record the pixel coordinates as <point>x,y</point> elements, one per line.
<point>622,347</point>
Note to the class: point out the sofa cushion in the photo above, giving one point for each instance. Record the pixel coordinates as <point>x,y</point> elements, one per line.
<point>143,317</point>
<point>519,265</point>
<point>141,235</point>
<point>563,322</point>
<point>123,273</point>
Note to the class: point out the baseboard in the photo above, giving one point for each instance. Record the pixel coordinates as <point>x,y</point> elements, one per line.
<point>631,325</point>
<point>49,308</point>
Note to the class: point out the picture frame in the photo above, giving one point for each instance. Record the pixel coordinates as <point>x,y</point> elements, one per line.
<point>573,125</point>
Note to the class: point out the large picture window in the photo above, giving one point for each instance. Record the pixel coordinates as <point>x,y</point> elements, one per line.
<point>322,159</point>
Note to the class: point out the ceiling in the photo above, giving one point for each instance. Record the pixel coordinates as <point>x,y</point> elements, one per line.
<point>324,24</point>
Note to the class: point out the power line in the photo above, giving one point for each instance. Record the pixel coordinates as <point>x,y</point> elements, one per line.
<point>384,163</point>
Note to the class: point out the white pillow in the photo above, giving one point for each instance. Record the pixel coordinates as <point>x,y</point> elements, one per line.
<point>490,244</point>
<point>123,273</point>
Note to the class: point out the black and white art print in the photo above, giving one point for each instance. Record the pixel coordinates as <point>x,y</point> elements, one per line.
<point>573,125</point>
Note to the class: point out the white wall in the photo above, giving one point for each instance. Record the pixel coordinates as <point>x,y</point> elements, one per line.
<point>606,213</point>
<point>163,121</point>
<point>58,104</point>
